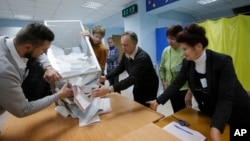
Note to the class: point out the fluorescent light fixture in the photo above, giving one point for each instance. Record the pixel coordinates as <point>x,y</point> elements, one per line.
<point>203,2</point>
<point>91,4</point>
<point>23,17</point>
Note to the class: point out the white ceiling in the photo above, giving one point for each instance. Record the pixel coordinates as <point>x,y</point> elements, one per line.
<point>220,8</point>
<point>71,10</point>
<point>60,9</point>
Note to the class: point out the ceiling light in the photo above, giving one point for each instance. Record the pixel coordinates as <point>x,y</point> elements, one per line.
<point>203,2</point>
<point>91,4</point>
<point>23,17</point>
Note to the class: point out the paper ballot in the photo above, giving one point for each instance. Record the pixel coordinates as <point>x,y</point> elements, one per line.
<point>80,98</point>
<point>184,133</point>
<point>103,105</point>
<point>85,108</point>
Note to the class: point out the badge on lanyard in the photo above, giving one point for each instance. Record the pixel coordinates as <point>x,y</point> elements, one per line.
<point>203,82</point>
<point>178,68</point>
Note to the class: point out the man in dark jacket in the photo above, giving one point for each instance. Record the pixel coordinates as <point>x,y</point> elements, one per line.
<point>139,67</point>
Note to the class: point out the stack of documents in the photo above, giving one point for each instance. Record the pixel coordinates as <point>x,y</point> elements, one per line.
<point>184,133</point>
<point>84,107</point>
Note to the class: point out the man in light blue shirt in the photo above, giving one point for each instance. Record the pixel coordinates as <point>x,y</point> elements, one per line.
<point>112,60</point>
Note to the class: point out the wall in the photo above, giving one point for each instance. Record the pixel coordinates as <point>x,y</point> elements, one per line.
<point>143,23</point>
<point>13,23</point>
<point>11,27</point>
<point>144,26</point>
<point>110,32</point>
<point>9,31</point>
<point>172,17</point>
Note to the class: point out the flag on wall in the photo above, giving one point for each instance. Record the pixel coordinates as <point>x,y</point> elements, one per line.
<point>153,4</point>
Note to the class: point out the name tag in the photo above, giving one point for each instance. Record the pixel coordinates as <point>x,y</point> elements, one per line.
<point>203,82</point>
<point>178,68</point>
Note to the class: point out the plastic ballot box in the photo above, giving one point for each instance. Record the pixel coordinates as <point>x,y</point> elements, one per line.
<point>71,53</point>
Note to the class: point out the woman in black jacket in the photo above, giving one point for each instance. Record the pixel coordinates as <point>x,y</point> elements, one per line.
<point>212,80</point>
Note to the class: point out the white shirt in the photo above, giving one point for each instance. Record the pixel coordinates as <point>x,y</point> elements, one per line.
<point>132,56</point>
<point>200,63</point>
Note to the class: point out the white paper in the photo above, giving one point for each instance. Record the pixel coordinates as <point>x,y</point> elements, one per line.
<point>95,119</point>
<point>184,133</point>
<point>84,116</point>
<point>85,108</point>
<point>89,113</point>
<point>69,65</point>
<point>81,100</point>
<point>62,110</point>
<point>103,104</point>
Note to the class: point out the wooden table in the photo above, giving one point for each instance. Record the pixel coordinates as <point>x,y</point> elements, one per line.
<point>149,132</point>
<point>48,125</point>
<point>197,121</point>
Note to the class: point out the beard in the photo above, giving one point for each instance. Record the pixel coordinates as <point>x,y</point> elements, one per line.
<point>29,56</point>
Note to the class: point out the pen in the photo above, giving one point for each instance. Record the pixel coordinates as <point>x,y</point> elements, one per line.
<point>183,130</point>
<point>182,122</point>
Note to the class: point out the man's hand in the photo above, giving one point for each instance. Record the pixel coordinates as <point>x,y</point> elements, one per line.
<point>51,75</point>
<point>103,90</point>
<point>85,33</point>
<point>65,91</point>
<point>102,79</point>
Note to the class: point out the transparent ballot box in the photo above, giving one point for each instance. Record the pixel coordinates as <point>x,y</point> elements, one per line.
<point>71,54</point>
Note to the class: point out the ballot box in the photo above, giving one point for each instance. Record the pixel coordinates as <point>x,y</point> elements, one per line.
<point>71,53</point>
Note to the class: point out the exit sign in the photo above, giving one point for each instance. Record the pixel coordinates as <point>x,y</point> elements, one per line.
<point>130,10</point>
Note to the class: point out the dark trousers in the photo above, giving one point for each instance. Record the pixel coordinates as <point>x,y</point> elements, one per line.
<point>178,101</point>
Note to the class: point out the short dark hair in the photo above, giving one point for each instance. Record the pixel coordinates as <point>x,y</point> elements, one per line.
<point>173,30</point>
<point>35,34</point>
<point>132,36</point>
<point>110,38</point>
<point>193,34</point>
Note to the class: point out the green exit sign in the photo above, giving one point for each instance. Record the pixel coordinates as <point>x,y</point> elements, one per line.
<point>130,10</point>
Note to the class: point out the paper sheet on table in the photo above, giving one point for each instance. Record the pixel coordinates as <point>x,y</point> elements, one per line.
<point>83,101</point>
<point>103,104</point>
<point>184,133</point>
<point>95,119</point>
<point>85,108</point>
<point>86,117</point>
